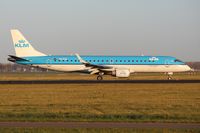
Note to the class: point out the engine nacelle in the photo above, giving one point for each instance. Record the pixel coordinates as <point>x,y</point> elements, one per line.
<point>122,73</point>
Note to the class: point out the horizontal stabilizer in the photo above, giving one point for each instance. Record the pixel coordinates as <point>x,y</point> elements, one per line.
<point>15,58</point>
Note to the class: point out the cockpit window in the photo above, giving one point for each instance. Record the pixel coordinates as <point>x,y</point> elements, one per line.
<point>177,60</point>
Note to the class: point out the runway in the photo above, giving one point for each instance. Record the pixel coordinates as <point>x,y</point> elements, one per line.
<point>98,82</point>
<point>101,125</point>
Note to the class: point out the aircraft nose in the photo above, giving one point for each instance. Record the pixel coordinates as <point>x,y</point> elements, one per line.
<point>188,68</point>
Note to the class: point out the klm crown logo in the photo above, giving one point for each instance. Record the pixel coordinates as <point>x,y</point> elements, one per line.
<point>21,44</point>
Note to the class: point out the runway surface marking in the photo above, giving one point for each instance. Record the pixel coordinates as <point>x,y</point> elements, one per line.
<point>100,125</point>
<point>96,81</point>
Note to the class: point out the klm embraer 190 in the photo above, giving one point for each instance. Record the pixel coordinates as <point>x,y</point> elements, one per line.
<point>118,66</point>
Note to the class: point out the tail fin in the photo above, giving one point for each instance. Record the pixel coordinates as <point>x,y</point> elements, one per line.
<point>22,47</point>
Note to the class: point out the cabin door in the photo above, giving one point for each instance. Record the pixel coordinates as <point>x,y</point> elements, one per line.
<point>49,62</point>
<point>166,63</point>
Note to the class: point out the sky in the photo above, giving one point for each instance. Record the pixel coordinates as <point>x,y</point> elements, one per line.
<point>104,27</point>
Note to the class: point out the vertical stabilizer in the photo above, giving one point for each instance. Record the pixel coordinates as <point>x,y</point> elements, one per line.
<point>22,47</point>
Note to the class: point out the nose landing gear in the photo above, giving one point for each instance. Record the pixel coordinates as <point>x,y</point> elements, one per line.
<point>169,75</point>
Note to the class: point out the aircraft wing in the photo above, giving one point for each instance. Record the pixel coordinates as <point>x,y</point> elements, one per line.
<point>94,68</point>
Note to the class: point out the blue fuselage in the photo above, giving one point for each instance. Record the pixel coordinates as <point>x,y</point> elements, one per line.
<point>102,60</point>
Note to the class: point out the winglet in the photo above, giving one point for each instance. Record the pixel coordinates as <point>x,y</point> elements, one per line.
<point>80,59</point>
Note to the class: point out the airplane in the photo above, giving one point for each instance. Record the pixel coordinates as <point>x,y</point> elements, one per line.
<point>118,66</point>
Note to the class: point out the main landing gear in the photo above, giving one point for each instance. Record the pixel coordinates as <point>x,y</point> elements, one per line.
<point>100,76</point>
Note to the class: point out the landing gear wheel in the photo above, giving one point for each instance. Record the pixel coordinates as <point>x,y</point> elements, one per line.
<point>169,78</point>
<point>169,75</point>
<point>99,77</point>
